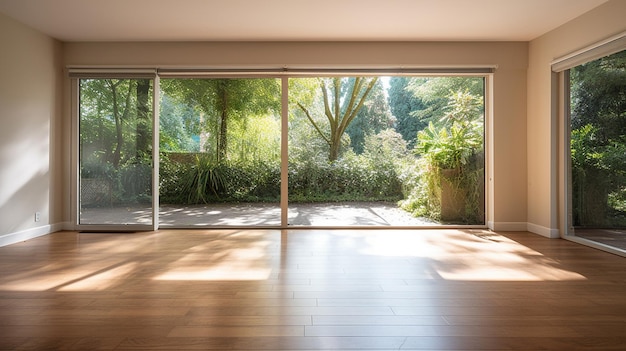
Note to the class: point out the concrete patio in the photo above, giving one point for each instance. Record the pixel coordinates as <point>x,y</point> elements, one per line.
<point>258,214</point>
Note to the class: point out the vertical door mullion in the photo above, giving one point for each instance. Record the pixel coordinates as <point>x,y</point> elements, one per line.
<point>156,90</point>
<point>284,153</point>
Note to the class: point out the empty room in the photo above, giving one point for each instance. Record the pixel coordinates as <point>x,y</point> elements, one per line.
<point>299,175</point>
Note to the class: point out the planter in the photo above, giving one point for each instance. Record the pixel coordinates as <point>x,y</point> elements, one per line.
<point>453,196</point>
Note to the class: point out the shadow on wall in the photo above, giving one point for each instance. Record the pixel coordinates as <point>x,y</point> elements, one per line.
<point>24,177</point>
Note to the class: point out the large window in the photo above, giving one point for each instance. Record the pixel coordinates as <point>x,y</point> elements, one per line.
<point>323,151</point>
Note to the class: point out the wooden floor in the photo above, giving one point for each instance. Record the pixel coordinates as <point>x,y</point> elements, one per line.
<point>310,290</point>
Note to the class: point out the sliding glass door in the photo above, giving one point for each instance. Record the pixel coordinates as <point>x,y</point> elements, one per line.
<point>386,151</point>
<point>598,150</point>
<point>328,151</point>
<point>115,176</point>
<point>220,152</point>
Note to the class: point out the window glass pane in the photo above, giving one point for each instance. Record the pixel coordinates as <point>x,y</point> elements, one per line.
<point>598,149</point>
<point>115,151</point>
<point>386,151</point>
<point>220,152</point>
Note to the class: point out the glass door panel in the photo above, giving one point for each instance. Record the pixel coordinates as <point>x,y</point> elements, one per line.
<point>386,151</point>
<point>598,150</point>
<point>220,152</point>
<point>115,152</point>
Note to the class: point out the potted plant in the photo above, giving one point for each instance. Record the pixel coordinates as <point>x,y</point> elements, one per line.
<point>451,153</point>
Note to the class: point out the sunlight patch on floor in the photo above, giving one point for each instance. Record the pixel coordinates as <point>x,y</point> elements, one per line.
<point>101,281</point>
<point>459,256</point>
<point>233,264</point>
<point>226,271</point>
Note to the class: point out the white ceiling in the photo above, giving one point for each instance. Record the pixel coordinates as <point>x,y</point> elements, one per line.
<point>302,20</point>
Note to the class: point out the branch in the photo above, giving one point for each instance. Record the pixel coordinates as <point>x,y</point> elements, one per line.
<point>327,111</point>
<point>337,87</point>
<point>346,121</point>
<point>319,131</point>
<point>356,88</point>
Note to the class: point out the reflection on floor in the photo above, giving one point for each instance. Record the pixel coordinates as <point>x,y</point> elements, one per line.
<point>612,237</point>
<point>259,214</point>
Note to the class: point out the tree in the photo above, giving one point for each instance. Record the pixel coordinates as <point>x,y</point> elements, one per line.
<point>342,98</point>
<point>402,103</point>
<point>119,116</point>
<point>223,100</point>
<point>372,118</point>
<point>179,129</point>
<point>144,117</point>
<point>435,93</point>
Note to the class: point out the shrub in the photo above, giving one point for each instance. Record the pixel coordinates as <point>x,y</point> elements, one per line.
<point>135,179</point>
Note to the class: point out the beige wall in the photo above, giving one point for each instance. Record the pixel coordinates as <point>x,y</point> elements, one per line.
<point>31,176</point>
<point>509,120</point>
<point>543,130</point>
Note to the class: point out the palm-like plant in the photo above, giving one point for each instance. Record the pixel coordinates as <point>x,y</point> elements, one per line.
<point>449,148</point>
<point>204,179</point>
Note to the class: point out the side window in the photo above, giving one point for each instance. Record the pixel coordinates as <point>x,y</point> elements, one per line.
<point>598,149</point>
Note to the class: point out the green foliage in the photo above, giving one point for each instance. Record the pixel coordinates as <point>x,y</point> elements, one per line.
<point>450,148</point>
<point>222,102</point>
<point>203,181</point>
<point>255,140</point>
<point>113,126</point>
<point>172,176</point>
<point>179,127</point>
<point>598,141</point>
<point>449,173</point>
<point>372,118</point>
<point>115,136</point>
<point>421,189</point>
<point>343,98</point>
<point>402,103</point>
<point>436,93</point>
<point>135,178</point>
<point>370,176</point>
<point>351,178</point>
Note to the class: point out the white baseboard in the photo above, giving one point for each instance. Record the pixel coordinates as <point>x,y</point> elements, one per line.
<point>524,227</point>
<point>508,226</point>
<point>543,231</point>
<point>12,238</point>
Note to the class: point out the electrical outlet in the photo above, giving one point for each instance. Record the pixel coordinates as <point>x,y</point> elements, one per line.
<point>37,216</point>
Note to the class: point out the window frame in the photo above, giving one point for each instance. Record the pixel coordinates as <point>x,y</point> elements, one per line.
<point>75,73</point>
<point>561,102</point>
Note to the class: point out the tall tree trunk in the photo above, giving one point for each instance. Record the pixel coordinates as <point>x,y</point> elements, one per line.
<point>119,118</point>
<point>119,139</point>
<point>339,121</point>
<point>143,141</point>
<point>223,137</point>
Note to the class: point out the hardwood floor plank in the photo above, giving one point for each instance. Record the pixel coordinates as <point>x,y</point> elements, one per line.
<point>235,331</point>
<point>264,343</point>
<point>473,343</point>
<point>74,344</point>
<point>249,320</point>
<point>291,311</point>
<point>452,331</point>
<point>378,320</point>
